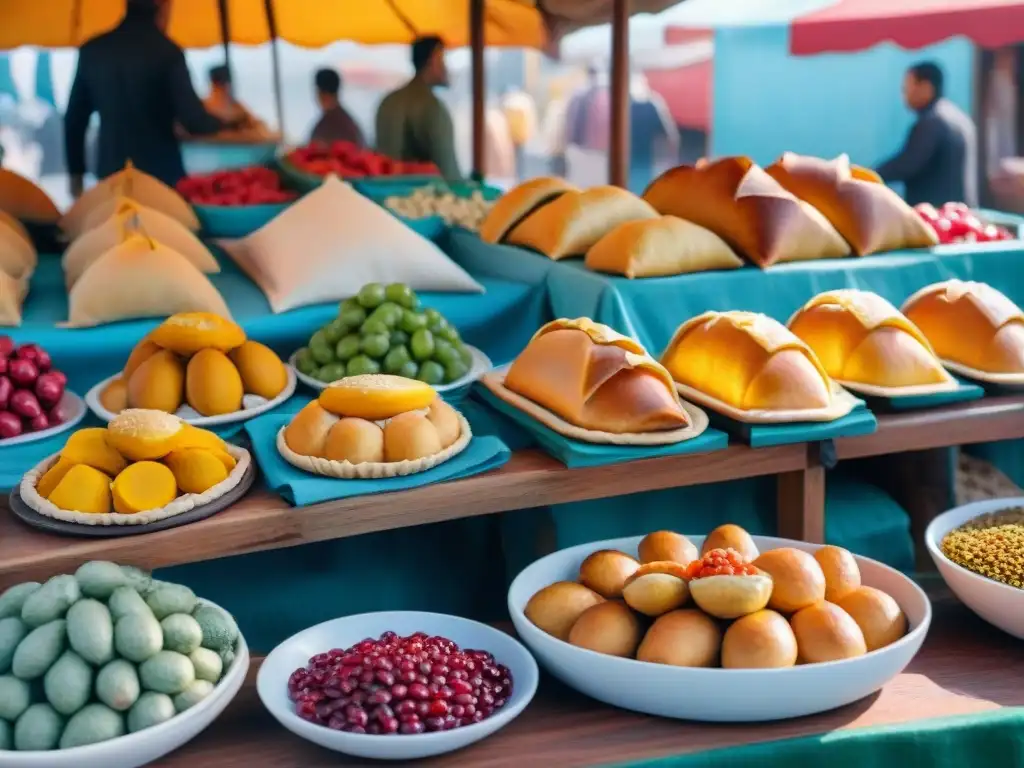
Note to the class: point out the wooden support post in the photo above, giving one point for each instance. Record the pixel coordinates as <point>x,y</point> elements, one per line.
<point>477,16</point>
<point>275,58</point>
<point>800,500</point>
<point>618,154</point>
<point>225,31</point>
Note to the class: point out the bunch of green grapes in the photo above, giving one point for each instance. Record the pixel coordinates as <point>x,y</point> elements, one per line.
<point>383,329</point>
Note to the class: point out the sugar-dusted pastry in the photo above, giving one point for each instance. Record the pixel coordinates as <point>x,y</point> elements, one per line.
<point>17,255</point>
<point>865,343</point>
<point>870,216</point>
<point>518,203</point>
<point>12,296</point>
<point>573,222</point>
<point>132,183</point>
<point>374,425</point>
<point>127,216</point>
<point>753,368</point>
<point>596,379</point>
<point>659,247</point>
<point>140,278</point>
<point>747,208</point>
<point>24,200</point>
<point>971,326</point>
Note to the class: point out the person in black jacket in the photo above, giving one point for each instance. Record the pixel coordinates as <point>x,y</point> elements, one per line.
<point>938,163</point>
<point>138,82</point>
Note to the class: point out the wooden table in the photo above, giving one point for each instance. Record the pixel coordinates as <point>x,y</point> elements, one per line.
<point>965,667</point>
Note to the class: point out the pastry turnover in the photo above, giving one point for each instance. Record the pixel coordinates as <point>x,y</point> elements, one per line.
<point>658,247</point>
<point>869,215</point>
<point>747,208</point>
<point>24,200</point>
<point>140,278</point>
<point>17,255</point>
<point>862,339</point>
<point>9,222</point>
<point>519,202</point>
<point>12,296</point>
<point>129,216</point>
<point>747,361</point>
<point>971,325</point>
<point>573,222</point>
<point>132,183</point>
<point>596,379</point>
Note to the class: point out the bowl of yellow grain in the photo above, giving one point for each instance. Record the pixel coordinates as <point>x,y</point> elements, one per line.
<point>979,550</point>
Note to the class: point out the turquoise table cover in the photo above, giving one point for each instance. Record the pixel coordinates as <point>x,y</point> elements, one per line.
<point>965,392</point>
<point>859,421</point>
<point>235,221</point>
<point>499,321</point>
<point>299,488</point>
<point>576,453</point>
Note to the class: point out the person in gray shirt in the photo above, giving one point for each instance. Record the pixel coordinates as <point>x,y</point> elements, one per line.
<point>939,161</point>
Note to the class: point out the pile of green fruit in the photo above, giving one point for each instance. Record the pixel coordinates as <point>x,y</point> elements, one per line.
<point>383,329</point>
<point>108,651</point>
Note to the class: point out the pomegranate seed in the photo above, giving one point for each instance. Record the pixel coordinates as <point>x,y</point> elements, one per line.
<point>405,707</point>
<point>438,707</point>
<point>419,691</point>
<point>411,728</point>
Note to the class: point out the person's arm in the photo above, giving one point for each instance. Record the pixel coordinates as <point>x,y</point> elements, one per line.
<point>922,142</point>
<point>188,108</point>
<point>440,134</point>
<point>76,125</point>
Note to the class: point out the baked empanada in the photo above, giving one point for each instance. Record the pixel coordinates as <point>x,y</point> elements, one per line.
<point>8,221</point>
<point>596,379</point>
<point>971,325</point>
<point>747,208</point>
<point>658,247</point>
<point>17,256</point>
<point>24,200</point>
<point>573,222</point>
<point>870,216</point>
<point>518,203</point>
<point>12,296</point>
<point>864,342</point>
<point>749,362</point>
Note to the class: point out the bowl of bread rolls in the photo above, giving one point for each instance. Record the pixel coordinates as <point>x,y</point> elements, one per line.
<point>764,628</point>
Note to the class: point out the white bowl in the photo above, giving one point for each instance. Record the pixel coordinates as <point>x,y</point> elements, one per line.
<point>999,604</point>
<point>717,695</point>
<point>74,407</point>
<point>295,652</point>
<point>144,747</point>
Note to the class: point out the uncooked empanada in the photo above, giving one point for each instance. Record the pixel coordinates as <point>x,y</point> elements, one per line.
<point>12,296</point>
<point>17,257</point>
<point>519,202</point>
<point>573,222</point>
<point>6,220</point>
<point>659,247</point>
<point>140,278</point>
<point>25,200</point>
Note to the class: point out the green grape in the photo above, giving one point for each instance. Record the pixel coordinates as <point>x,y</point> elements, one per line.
<point>375,345</point>
<point>347,347</point>
<point>412,321</point>
<point>431,373</point>
<point>323,353</point>
<point>361,364</point>
<point>370,295</point>
<point>331,372</point>
<point>422,344</point>
<point>401,294</point>
<point>334,330</point>
<point>395,359</point>
<point>304,361</point>
<point>352,317</point>
<point>374,325</point>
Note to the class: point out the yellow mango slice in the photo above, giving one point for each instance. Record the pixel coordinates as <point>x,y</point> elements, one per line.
<point>144,350</point>
<point>262,371</point>
<point>53,476</point>
<point>195,437</point>
<point>83,489</point>
<point>158,383</point>
<point>196,470</point>
<point>90,447</point>
<point>189,332</point>
<point>213,385</point>
<point>142,486</point>
<point>114,396</point>
<point>376,396</point>
<point>143,435</point>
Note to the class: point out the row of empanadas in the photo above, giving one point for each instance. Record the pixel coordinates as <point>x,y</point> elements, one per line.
<point>19,199</point>
<point>24,200</point>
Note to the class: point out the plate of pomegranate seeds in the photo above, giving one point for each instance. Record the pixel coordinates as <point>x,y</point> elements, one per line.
<point>397,685</point>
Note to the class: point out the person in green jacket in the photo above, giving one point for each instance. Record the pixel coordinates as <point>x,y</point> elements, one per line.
<point>412,123</point>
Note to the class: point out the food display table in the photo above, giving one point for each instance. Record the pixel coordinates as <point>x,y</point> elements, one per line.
<point>961,699</point>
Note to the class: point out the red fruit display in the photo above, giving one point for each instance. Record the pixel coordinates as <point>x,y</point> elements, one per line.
<point>235,188</point>
<point>349,161</point>
<point>30,390</point>
<point>957,223</point>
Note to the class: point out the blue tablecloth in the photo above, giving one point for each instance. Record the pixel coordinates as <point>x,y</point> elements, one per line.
<point>499,322</point>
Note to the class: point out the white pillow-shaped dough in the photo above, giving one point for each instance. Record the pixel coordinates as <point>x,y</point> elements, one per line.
<point>131,183</point>
<point>12,296</point>
<point>17,257</point>
<point>131,216</point>
<point>334,241</point>
<point>140,278</point>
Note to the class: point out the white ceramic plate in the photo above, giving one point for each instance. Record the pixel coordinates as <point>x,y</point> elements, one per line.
<point>999,604</point>
<point>481,365</point>
<point>295,652</point>
<point>144,747</point>
<point>717,695</point>
<point>92,399</point>
<point>75,408</point>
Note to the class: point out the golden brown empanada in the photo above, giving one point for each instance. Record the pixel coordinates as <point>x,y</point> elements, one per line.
<point>12,297</point>
<point>17,257</point>
<point>519,202</point>
<point>25,200</point>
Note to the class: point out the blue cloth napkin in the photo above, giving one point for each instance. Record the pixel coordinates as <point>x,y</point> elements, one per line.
<point>859,421</point>
<point>963,393</point>
<point>575,453</point>
<point>235,221</point>
<point>301,488</point>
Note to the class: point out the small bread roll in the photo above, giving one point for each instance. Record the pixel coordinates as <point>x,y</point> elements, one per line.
<point>656,588</point>
<point>556,608</point>
<point>877,614</point>
<point>761,640</point>
<point>356,441</point>
<point>685,638</point>
<point>797,579</point>
<point>410,436</point>
<point>731,536</point>
<point>825,632</point>
<point>606,571</point>
<point>445,421</point>
<point>842,575</point>
<point>609,628</point>
<point>667,545</point>
<point>307,432</point>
